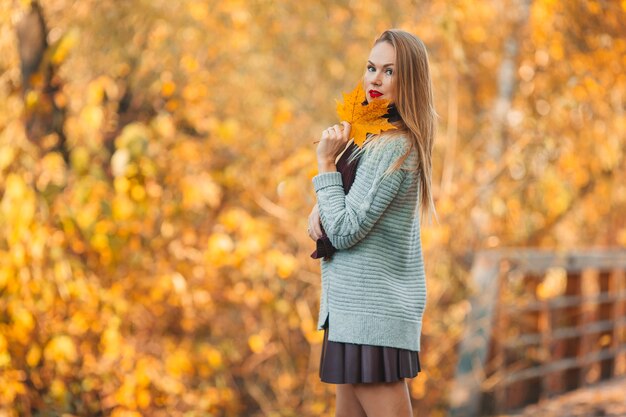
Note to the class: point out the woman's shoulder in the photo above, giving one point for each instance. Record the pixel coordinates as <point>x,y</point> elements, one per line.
<point>391,147</point>
<point>388,143</point>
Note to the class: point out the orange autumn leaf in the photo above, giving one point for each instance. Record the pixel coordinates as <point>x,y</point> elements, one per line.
<point>363,119</point>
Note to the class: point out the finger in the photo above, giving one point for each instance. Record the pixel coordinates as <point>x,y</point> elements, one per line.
<point>341,128</point>
<point>317,228</point>
<point>338,133</point>
<point>324,134</point>
<point>346,129</point>
<point>311,225</point>
<point>310,232</point>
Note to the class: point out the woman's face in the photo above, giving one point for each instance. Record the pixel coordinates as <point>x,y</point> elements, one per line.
<point>379,78</point>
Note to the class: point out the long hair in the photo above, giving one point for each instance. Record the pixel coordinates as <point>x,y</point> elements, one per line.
<point>414,102</point>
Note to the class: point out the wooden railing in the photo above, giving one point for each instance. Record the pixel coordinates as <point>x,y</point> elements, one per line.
<point>541,324</point>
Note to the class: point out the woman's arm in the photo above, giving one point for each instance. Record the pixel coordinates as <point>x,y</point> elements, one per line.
<point>347,218</point>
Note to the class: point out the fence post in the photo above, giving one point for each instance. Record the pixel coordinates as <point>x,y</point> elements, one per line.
<point>466,391</point>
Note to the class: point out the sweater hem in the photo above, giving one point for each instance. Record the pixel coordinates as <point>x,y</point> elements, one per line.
<point>364,329</point>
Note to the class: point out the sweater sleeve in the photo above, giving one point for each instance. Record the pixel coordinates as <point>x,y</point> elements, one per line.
<point>348,218</point>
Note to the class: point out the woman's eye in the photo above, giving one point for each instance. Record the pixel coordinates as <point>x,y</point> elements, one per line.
<point>370,68</point>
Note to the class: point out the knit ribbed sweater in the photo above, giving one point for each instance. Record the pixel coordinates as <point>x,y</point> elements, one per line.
<point>374,287</point>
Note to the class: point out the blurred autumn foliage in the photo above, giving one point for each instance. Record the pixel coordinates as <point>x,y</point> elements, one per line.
<point>155,168</point>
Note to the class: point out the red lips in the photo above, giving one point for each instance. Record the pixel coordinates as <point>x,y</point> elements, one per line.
<point>374,93</point>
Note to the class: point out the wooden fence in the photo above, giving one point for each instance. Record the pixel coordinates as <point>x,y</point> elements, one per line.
<point>541,324</point>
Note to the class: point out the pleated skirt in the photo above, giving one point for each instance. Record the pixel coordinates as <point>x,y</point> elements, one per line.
<point>349,363</point>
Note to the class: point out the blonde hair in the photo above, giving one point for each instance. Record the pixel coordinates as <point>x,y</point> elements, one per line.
<point>414,102</point>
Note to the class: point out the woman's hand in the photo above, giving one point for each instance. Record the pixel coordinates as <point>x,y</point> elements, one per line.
<point>314,228</point>
<point>332,143</point>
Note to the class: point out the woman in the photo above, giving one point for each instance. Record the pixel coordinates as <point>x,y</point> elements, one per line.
<point>373,288</point>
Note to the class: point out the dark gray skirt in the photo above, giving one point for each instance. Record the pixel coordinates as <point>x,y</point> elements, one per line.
<point>349,363</point>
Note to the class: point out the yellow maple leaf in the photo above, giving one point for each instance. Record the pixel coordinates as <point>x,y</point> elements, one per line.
<point>363,119</point>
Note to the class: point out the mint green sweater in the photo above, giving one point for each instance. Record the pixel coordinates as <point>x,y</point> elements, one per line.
<point>374,286</point>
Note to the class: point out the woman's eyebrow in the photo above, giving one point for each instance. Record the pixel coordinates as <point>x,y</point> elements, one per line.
<point>386,65</point>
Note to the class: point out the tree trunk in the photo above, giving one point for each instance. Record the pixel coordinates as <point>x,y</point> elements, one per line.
<point>44,118</point>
